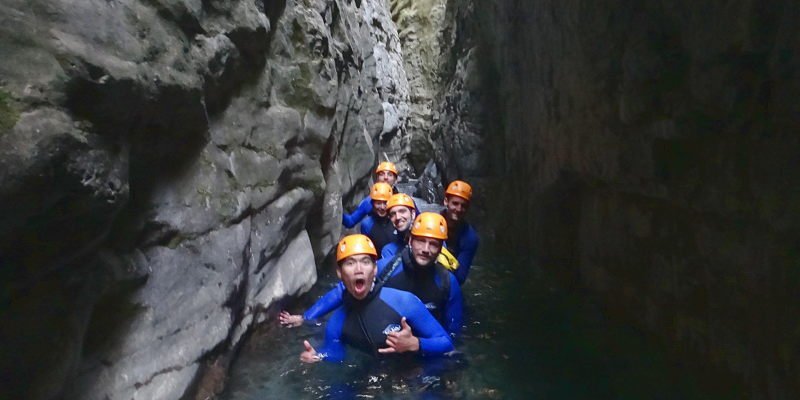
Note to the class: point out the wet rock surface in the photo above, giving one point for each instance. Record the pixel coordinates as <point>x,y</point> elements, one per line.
<point>168,169</point>
<point>646,151</point>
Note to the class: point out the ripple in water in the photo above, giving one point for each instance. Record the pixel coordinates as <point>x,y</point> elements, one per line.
<point>521,339</point>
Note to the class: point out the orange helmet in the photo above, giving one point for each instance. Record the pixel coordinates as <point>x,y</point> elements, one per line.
<point>355,244</point>
<point>381,191</point>
<point>459,188</point>
<point>386,166</point>
<point>400,199</point>
<point>430,225</point>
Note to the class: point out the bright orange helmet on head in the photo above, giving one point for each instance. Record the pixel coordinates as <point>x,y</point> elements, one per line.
<point>386,166</point>
<point>459,188</point>
<point>381,191</point>
<point>400,199</point>
<point>351,245</point>
<point>431,225</point>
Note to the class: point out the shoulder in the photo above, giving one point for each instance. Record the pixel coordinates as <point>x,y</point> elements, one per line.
<point>389,250</point>
<point>400,299</point>
<point>470,233</point>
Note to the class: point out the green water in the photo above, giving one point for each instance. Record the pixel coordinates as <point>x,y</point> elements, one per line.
<point>522,339</point>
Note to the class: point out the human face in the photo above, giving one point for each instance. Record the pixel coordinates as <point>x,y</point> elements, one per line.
<point>455,208</point>
<point>386,176</point>
<point>401,217</point>
<point>425,250</point>
<point>357,272</point>
<point>380,207</point>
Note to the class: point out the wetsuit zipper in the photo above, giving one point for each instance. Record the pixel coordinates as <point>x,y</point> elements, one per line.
<point>366,335</point>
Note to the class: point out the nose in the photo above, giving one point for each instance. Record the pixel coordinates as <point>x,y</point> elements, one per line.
<point>427,247</point>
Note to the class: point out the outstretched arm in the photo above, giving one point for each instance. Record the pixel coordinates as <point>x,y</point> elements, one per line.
<point>327,303</point>
<point>350,220</point>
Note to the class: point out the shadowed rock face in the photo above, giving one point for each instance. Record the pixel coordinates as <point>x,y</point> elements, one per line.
<point>168,169</point>
<point>647,150</point>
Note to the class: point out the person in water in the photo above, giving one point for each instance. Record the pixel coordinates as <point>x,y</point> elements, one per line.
<point>377,224</point>
<point>385,172</point>
<point>375,319</point>
<point>401,211</point>
<point>413,269</point>
<point>463,239</point>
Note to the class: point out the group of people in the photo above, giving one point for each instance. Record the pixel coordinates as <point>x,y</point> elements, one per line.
<point>401,278</point>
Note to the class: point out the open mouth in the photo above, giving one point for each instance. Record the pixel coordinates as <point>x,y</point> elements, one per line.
<point>360,284</point>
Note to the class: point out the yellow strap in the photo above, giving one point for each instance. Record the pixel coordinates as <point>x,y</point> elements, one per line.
<point>447,260</point>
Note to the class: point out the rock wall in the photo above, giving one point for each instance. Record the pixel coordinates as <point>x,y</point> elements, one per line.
<point>648,151</point>
<point>446,108</point>
<point>168,169</point>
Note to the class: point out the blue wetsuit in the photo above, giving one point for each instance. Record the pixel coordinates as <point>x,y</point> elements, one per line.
<point>365,323</point>
<point>400,241</point>
<point>364,208</point>
<point>448,306</point>
<point>392,248</point>
<point>379,229</point>
<point>463,243</point>
<point>435,286</point>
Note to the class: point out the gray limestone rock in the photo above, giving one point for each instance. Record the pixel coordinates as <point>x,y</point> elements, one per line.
<point>188,159</point>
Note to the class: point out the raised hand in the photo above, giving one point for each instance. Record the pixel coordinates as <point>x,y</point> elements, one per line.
<point>289,320</point>
<point>309,355</point>
<point>401,341</point>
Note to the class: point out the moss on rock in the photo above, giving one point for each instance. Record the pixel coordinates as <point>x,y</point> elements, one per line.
<point>8,112</point>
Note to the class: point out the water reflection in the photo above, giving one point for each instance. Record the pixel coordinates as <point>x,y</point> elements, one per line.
<point>522,339</point>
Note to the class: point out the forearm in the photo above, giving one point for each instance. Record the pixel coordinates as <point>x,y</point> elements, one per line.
<point>350,220</point>
<point>435,346</point>
<point>327,303</point>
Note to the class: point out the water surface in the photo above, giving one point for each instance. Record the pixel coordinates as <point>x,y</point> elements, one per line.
<point>522,339</point>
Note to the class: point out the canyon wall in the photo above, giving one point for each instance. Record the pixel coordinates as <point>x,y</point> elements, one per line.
<point>169,169</point>
<point>648,151</point>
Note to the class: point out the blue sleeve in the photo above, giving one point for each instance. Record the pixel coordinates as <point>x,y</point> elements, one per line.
<point>328,302</point>
<point>333,349</point>
<point>350,220</point>
<point>454,310</point>
<point>468,246</point>
<point>389,250</point>
<point>367,224</point>
<point>433,339</point>
<point>382,263</point>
